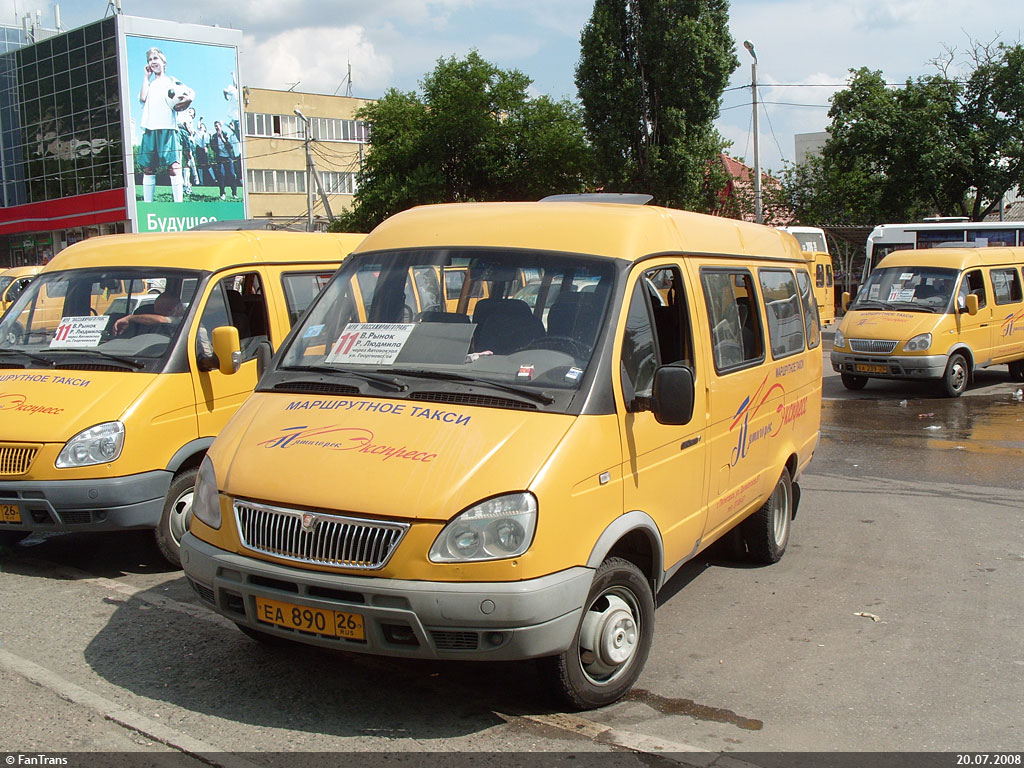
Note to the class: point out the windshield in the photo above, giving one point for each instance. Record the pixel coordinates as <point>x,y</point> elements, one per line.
<point>125,318</point>
<point>524,320</point>
<point>913,289</point>
<point>5,280</point>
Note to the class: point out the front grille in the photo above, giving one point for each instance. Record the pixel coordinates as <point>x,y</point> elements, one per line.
<point>203,591</point>
<point>315,388</point>
<point>16,459</point>
<point>76,518</point>
<point>874,346</point>
<point>455,641</point>
<point>346,542</point>
<point>462,398</point>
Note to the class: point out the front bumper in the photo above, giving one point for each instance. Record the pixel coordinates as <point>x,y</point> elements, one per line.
<point>896,367</point>
<point>434,620</point>
<point>103,504</point>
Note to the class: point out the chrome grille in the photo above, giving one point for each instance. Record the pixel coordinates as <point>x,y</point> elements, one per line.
<point>16,459</point>
<point>346,542</point>
<point>875,346</point>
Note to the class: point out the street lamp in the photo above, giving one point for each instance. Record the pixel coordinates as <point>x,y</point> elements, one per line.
<point>309,174</point>
<point>757,161</point>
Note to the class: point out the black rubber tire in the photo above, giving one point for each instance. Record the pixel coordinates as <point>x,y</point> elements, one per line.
<point>766,532</point>
<point>265,638</point>
<point>10,538</point>
<point>1017,370</point>
<point>176,515</point>
<point>589,687</point>
<point>853,382</point>
<point>957,375</point>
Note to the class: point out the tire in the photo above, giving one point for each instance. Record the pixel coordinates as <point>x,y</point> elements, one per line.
<point>956,377</point>
<point>766,532</point>
<point>853,382</point>
<point>10,538</point>
<point>619,619</point>
<point>176,515</point>
<point>1017,370</point>
<point>264,638</point>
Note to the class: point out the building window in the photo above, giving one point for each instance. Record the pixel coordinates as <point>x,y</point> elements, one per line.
<point>291,127</point>
<point>294,182</point>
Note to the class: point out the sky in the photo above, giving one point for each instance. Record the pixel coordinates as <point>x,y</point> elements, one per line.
<point>805,48</point>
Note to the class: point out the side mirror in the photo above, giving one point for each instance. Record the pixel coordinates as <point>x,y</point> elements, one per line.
<point>845,301</point>
<point>673,394</point>
<point>972,304</point>
<point>227,349</point>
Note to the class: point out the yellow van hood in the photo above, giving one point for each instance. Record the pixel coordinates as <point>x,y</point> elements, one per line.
<point>871,324</point>
<point>51,406</point>
<point>394,458</point>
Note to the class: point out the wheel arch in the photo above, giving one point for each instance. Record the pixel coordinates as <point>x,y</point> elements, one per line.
<point>633,536</point>
<point>189,455</point>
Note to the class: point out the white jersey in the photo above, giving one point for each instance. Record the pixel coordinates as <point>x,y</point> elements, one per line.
<point>155,112</point>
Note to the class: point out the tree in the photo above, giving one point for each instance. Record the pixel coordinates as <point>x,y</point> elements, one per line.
<point>650,78</point>
<point>474,134</point>
<point>940,145</point>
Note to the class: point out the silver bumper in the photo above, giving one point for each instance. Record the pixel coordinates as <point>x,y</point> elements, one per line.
<point>907,367</point>
<point>436,620</point>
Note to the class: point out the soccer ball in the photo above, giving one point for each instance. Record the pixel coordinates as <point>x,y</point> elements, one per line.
<point>179,96</point>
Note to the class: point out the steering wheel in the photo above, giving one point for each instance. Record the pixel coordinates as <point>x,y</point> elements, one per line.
<point>565,344</point>
<point>15,333</point>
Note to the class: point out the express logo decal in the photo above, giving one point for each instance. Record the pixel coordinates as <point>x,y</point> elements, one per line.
<point>785,414</point>
<point>18,402</point>
<point>1012,323</point>
<point>337,438</point>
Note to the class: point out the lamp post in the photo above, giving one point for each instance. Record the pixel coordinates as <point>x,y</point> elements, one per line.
<point>309,174</point>
<point>757,161</point>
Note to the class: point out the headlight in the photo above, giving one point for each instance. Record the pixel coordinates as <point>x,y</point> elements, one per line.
<point>919,343</point>
<point>95,445</point>
<point>206,499</point>
<point>839,341</point>
<point>491,530</point>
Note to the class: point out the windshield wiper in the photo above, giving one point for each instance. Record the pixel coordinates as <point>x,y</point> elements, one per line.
<point>29,355</point>
<point>869,304</point>
<point>912,306</point>
<point>539,397</point>
<point>128,361</point>
<point>384,381</point>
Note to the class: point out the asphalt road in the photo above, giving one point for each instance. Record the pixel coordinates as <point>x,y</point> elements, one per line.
<point>893,624</point>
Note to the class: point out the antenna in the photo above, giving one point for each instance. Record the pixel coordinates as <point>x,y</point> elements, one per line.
<point>292,86</point>
<point>347,79</point>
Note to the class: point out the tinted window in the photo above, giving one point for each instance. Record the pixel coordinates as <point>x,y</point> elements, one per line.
<point>782,308</point>
<point>812,323</point>
<point>1006,286</point>
<point>734,318</point>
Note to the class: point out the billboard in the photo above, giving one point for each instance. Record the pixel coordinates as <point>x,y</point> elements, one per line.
<point>186,132</point>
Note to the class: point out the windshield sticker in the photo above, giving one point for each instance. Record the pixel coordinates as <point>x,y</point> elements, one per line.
<point>313,331</point>
<point>906,276</point>
<point>370,343</point>
<point>76,332</point>
<point>336,438</point>
<point>525,372</point>
<point>573,374</point>
<point>873,292</point>
<point>899,293</point>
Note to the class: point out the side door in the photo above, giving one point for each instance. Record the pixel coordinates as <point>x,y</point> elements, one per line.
<point>236,299</point>
<point>976,331</point>
<point>1009,313</point>
<point>664,467</point>
<point>743,393</point>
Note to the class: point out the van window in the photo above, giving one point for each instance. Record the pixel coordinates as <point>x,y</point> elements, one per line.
<point>236,300</point>
<point>782,308</point>
<point>812,322</point>
<point>300,288</point>
<point>829,281</point>
<point>973,282</point>
<point>735,320</point>
<point>657,330</point>
<point>819,275</point>
<point>1006,286</point>
<point>429,288</point>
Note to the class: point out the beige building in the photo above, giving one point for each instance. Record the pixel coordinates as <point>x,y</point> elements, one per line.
<point>275,153</point>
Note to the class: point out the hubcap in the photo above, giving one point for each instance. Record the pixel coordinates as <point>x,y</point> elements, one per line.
<point>609,636</point>
<point>780,513</point>
<point>958,376</point>
<point>181,515</point>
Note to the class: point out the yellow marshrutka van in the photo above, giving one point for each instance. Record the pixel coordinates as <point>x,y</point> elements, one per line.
<point>109,393</point>
<point>12,282</point>
<point>516,482</point>
<point>934,315</point>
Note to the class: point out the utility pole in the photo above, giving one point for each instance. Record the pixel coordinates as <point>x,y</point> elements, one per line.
<point>757,160</point>
<point>309,174</point>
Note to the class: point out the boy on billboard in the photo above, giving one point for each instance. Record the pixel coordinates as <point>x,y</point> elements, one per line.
<point>162,97</point>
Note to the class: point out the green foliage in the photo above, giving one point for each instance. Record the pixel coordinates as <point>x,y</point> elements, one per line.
<point>650,77</point>
<point>474,134</point>
<point>942,144</point>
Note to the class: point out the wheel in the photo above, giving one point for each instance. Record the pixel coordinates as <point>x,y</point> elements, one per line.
<point>954,380</point>
<point>766,532</point>
<point>853,382</point>
<point>1017,370</point>
<point>612,641</point>
<point>263,637</point>
<point>176,516</point>
<point>10,538</point>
